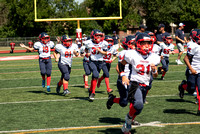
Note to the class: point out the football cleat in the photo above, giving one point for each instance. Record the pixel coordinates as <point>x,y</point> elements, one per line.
<point>91,97</point>
<point>127,125</point>
<point>43,83</point>
<point>66,92</point>
<point>109,91</point>
<point>181,90</point>
<point>134,122</point>
<point>110,101</point>
<point>48,89</point>
<point>162,78</point>
<point>58,89</point>
<point>198,113</point>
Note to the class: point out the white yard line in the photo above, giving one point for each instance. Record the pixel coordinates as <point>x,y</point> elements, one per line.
<point>157,81</point>
<point>150,124</point>
<point>58,100</point>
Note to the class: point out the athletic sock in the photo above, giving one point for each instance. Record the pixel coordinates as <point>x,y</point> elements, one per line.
<point>60,83</point>
<point>43,77</point>
<point>94,84</point>
<point>116,100</point>
<point>65,85</point>
<point>132,111</point>
<point>163,74</point>
<point>48,80</point>
<point>107,83</point>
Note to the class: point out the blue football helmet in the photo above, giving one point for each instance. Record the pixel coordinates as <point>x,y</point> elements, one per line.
<point>66,40</point>
<point>97,36</point>
<point>129,42</point>
<point>44,38</point>
<point>110,40</point>
<point>139,39</point>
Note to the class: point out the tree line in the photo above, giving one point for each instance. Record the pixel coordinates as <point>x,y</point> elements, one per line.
<point>17,16</point>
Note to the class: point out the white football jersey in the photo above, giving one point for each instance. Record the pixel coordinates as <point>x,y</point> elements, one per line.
<point>44,50</point>
<point>110,52</point>
<point>141,69</point>
<point>66,54</point>
<point>82,51</point>
<point>166,49</point>
<point>156,49</point>
<point>194,50</point>
<point>120,58</point>
<point>96,55</point>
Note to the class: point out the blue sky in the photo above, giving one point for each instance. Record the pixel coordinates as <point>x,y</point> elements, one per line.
<point>79,1</point>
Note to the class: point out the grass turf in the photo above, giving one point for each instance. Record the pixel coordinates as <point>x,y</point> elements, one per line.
<point>25,105</point>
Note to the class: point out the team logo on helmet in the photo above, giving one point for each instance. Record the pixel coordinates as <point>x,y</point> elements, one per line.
<point>110,40</point>
<point>144,43</point>
<point>167,38</point>
<point>44,38</point>
<point>97,36</point>
<point>195,35</point>
<point>151,34</point>
<point>129,42</point>
<point>66,40</point>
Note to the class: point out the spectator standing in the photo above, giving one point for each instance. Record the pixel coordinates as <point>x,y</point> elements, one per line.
<point>161,33</point>
<point>116,40</point>
<point>142,29</point>
<point>180,41</point>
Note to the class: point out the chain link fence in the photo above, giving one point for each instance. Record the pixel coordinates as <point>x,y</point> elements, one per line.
<point>5,42</point>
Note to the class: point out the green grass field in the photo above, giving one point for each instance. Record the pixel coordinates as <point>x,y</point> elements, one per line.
<point>25,105</point>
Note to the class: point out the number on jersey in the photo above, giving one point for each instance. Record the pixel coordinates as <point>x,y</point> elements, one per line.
<point>45,49</point>
<point>68,54</point>
<point>143,69</point>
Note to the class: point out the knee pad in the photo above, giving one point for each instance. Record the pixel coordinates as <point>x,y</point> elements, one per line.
<point>66,77</point>
<point>106,75</point>
<point>88,72</point>
<point>123,103</point>
<point>95,75</point>
<point>48,73</point>
<point>165,68</point>
<point>138,107</point>
<point>43,72</point>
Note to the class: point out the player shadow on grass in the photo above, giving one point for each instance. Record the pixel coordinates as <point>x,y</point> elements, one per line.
<point>78,86</point>
<point>44,92</point>
<point>178,111</point>
<point>111,120</point>
<point>179,100</point>
<point>114,131</point>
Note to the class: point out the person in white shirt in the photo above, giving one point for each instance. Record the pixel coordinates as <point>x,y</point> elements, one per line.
<point>96,58</point>
<point>143,63</point>
<point>192,60</point>
<point>86,67</point>
<point>44,46</point>
<point>167,48</point>
<point>107,57</point>
<point>67,50</point>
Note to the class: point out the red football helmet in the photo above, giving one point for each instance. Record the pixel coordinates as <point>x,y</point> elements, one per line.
<point>44,38</point>
<point>66,41</point>
<point>195,35</point>
<point>110,40</point>
<point>151,34</point>
<point>144,43</point>
<point>97,36</point>
<point>129,42</point>
<point>167,39</point>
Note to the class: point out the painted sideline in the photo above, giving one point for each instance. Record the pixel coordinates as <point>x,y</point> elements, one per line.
<point>150,124</point>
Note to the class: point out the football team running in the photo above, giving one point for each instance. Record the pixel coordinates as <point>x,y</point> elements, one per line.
<point>137,64</point>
